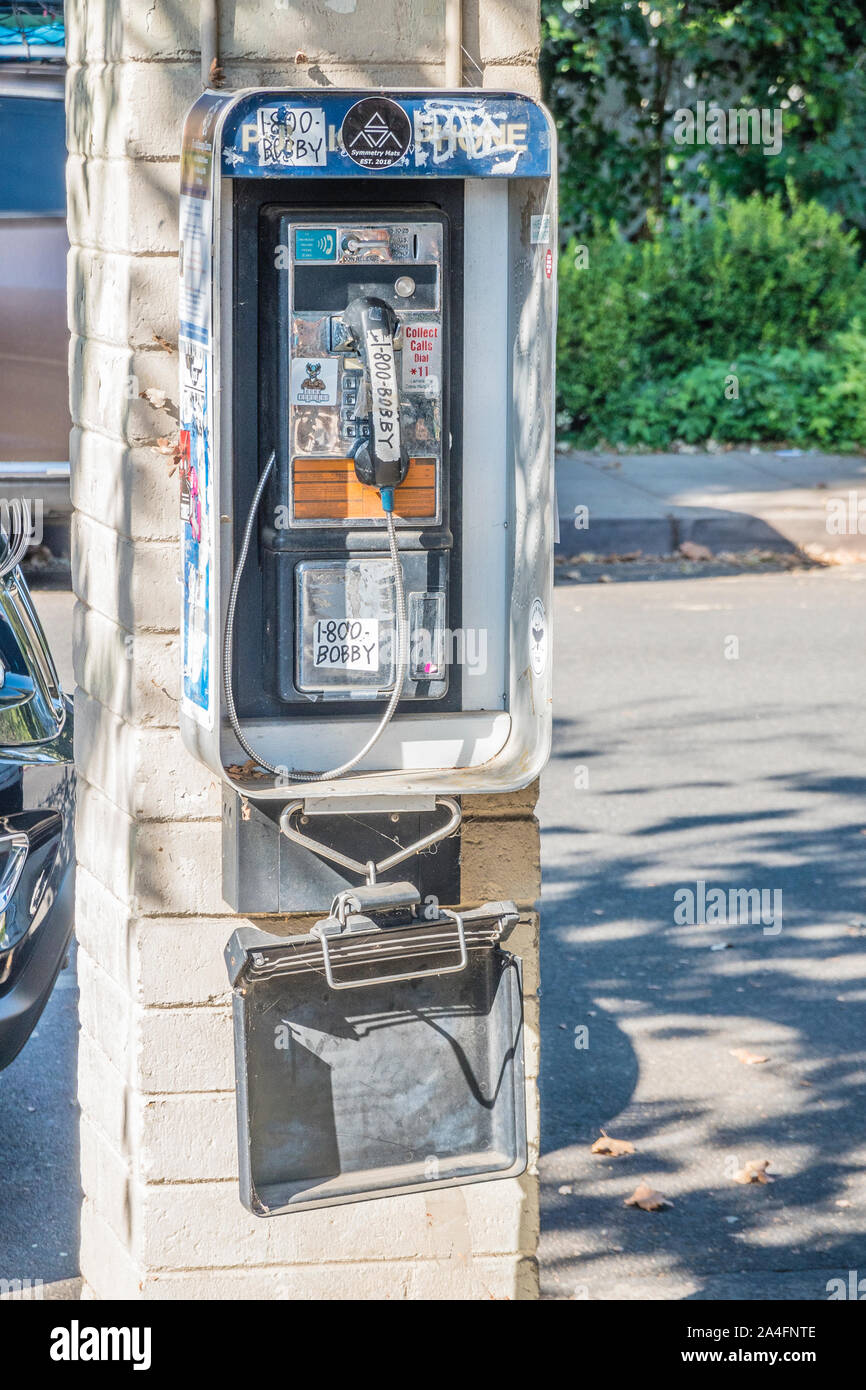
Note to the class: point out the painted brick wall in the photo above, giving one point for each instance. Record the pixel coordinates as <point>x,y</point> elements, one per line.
<point>161,1214</point>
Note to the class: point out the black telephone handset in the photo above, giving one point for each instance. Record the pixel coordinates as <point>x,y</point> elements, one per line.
<point>381,460</point>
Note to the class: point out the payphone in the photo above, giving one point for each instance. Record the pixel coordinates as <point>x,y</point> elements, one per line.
<point>367,306</point>
<point>367,356</point>
<point>352,610</point>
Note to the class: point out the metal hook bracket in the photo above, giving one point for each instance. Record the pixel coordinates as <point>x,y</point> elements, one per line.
<point>371,870</point>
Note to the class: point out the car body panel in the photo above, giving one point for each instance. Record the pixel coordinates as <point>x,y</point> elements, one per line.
<point>34,339</point>
<point>29,969</point>
<point>37,794</point>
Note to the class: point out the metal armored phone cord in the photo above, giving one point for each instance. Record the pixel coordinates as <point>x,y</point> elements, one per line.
<point>387,495</point>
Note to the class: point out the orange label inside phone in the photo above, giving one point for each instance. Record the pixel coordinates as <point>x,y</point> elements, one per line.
<point>328,490</point>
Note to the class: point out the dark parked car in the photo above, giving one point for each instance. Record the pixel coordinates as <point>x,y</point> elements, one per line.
<point>37,805</point>
<point>37,778</point>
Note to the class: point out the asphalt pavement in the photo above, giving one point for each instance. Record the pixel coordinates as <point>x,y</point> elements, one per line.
<point>707,729</point>
<point>680,755</point>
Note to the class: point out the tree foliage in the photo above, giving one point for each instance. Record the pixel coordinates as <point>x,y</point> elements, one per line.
<point>615,71</point>
<point>751,282</point>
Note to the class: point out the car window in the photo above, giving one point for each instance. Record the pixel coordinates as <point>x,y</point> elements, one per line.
<point>32,155</point>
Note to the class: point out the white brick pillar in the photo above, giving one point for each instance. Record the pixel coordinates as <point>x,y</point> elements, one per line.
<point>161,1216</point>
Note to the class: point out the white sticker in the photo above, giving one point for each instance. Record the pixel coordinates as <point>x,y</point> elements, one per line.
<point>539,228</point>
<point>383,391</point>
<point>350,644</point>
<point>292,136</point>
<point>537,637</point>
<point>422,356</point>
<point>314,380</point>
<point>194,261</point>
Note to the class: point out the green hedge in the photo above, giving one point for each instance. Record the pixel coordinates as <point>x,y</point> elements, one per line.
<point>811,397</point>
<point>650,331</point>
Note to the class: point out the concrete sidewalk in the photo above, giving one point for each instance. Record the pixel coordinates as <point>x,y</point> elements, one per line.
<point>728,502</point>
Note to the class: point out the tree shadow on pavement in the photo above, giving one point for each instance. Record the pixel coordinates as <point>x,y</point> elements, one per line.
<point>663,1012</point>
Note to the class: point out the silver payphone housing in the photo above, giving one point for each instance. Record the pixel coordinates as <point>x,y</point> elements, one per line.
<point>489,731</point>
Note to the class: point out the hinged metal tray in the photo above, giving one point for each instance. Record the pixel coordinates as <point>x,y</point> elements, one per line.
<point>371,1085</point>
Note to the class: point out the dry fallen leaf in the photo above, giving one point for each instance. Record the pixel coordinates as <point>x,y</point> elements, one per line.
<point>248,769</point>
<point>754,1171</point>
<point>616,1147</point>
<point>690,550</point>
<point>647,1198</point>
<point>747,1057</point>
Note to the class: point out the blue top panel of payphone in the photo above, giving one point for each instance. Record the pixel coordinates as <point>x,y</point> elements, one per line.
<point>272,134</point>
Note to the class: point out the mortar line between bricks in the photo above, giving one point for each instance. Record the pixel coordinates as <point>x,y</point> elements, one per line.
<point>133,993</point>
<point>148,1095</point>
<point>124,535</point>
<point>124,158</point>
<point>168,538</point>
<point>93,1122</point>
<point>334,64</point>
<point>138,915</point>
<point>148,820</point>
<point>287,1265</point>
<point>104,250</point>
<point>192,916</point>
<point>524,59</point>
<point>151,347</point>
<point>132,632</point>
<point>104,524</point>
<point>173,916</point>
<point>125,1159</point>
<point>164,1095</point>
<point>168,821</point>
<point>133,815</point>
<point>181,57</point>
<point>129,631</point>
<point>149,443</point>
<point>107,254</point>
<point>130,723</point>
<point>189,1005</point>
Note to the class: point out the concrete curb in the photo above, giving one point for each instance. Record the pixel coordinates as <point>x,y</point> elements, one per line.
<point>615,505</point>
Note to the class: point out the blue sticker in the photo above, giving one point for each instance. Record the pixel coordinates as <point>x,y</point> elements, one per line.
<point>315,244</point>
<point>353,134</point>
